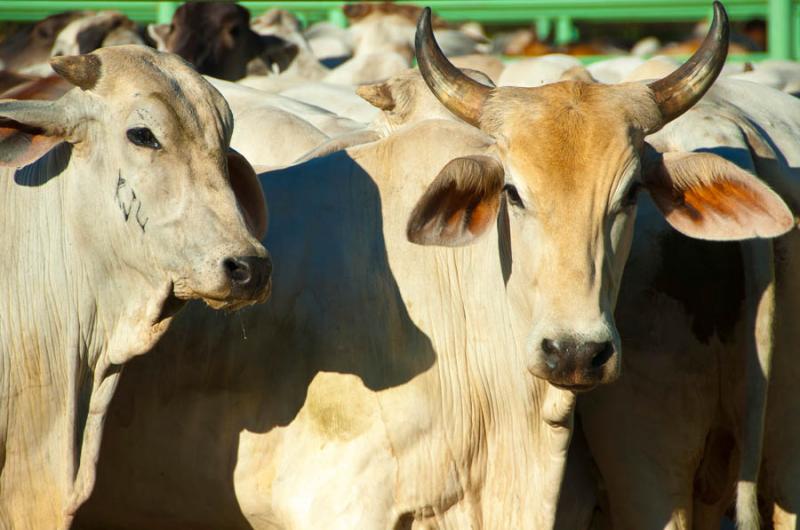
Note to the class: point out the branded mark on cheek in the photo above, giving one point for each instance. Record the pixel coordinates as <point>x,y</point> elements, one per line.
<point>129,203</point>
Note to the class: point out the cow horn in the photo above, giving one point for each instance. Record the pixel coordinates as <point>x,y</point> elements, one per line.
<point>676,93</point>
<point>461,95</point>
<point>81,70</point>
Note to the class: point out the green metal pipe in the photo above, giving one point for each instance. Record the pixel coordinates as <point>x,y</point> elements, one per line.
<point>165,12</point>
<point>779,34</point>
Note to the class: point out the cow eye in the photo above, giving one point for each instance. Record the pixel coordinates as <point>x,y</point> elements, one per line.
<point>513,195</point>
<point>143,137</point>
<point>631,195</point>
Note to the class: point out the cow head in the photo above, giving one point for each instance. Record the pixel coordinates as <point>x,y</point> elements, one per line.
<point>216,38</point>
<point>157,188</point>
<point>567,163</point>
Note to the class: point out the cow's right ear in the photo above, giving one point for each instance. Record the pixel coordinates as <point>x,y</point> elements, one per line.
<point>460,204</point>
<point>28,130</point>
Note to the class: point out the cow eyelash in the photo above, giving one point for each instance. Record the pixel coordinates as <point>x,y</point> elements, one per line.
<point>513,195</point>
<point>143,137</point>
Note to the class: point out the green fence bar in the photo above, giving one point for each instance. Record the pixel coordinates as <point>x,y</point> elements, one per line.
<point>781,23</point>
<point>565,31</point>
<point>557,16</point>
<point>165,12</point>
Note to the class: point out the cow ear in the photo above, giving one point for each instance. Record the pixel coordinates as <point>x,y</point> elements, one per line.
<point>378,95</point>
<point>704,196</point>
<point>28,130</point>
<point>158,33</point>
<point>248,193</point>
<point>460,204</point>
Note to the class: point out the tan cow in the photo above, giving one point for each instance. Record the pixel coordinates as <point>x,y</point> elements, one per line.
<point>120,201</point>
<point>552,137</point>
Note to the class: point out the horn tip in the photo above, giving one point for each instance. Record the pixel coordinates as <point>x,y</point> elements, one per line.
<point>719,12</point>
<point>424,17</point>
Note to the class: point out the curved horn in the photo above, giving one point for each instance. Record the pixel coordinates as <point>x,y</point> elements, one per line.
<point>461,95</point>
<point>676,93</point>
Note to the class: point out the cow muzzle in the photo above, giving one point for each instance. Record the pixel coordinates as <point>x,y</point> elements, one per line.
<point>250,277</point>
<point>574,364</point>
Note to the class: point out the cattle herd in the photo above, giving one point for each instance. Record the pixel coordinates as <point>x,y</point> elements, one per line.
<point>523,295</point>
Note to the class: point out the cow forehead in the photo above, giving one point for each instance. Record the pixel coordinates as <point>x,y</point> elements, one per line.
<point>136,70</point>
<point>569,136</point>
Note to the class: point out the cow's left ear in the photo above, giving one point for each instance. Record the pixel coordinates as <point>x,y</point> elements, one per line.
<point>704,196</point>
<point>249,194</point>
<point>460,204</point>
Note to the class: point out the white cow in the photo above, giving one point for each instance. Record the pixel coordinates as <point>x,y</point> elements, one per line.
<point>689,390</point>
<point>125,204</point>
<point>294,127</point>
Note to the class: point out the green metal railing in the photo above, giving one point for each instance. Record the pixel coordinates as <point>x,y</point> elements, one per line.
<point>782,16</point>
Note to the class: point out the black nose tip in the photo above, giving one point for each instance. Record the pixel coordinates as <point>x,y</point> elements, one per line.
<point>588,354</point>
<point>248,273</point>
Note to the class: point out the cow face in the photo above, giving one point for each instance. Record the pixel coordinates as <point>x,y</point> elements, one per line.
<point>159,190</point>
<point>568,161</point>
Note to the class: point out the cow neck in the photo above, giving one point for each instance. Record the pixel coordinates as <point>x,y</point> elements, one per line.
<point>492,410</point>
<point>527,421</point>
<point>77,312</point>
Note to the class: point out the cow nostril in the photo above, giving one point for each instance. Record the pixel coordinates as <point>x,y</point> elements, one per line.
<point>603,354</point>
<point>551,353</point>
<point>550,347</point>
<point>237,270</point>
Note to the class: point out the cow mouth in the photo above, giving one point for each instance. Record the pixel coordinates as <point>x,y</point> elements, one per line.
<point>227,301</point>
<point>233,303</point>
<point>576,387</point>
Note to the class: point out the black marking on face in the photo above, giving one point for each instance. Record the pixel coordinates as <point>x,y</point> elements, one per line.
<point>126,205</point>
<point>139,221</point>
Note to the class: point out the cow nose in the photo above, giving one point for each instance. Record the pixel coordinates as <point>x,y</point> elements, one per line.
<point>575,364</point>
<point>582,354</point>
<point>248,274</point>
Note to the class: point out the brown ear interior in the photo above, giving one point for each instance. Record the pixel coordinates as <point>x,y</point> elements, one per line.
<point>21,145</point>
<point>248,193</point>
<point>708,197</point>
<point>460,205</point>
